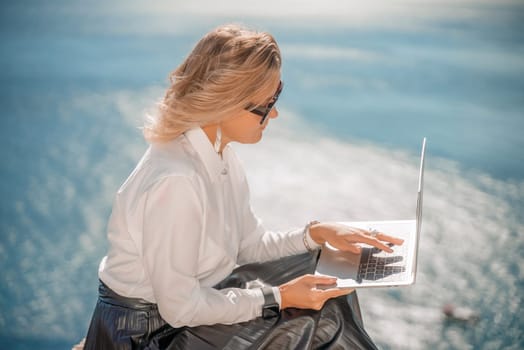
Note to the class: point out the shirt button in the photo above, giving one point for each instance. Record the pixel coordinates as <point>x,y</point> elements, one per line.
<point>224,171</point>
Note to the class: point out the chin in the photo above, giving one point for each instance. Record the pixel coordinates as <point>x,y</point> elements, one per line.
<point>258,137</point>
<point>253,139</point>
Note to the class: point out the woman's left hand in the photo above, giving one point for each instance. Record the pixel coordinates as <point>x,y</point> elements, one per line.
<point>347,238</point>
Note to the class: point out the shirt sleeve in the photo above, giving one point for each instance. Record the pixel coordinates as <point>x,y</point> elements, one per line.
<point>172,234</point>
<point>258,244</point>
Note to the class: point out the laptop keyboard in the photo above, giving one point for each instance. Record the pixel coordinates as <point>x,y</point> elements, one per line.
<point>376,264</point>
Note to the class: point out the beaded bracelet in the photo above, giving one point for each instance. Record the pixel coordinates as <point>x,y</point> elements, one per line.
<point>304,235</point>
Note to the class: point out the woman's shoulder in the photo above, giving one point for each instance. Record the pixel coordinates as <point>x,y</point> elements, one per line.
<point>161,162</point>
<point>173,157</point>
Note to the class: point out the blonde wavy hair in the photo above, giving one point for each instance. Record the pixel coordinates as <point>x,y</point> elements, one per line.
<point>225,72</point>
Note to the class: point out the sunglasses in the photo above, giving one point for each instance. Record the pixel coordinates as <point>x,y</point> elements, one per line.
<point>263,111</point>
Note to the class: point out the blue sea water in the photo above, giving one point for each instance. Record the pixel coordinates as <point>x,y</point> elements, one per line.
<point>77,80</point>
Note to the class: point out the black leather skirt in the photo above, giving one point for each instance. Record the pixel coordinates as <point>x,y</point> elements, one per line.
<point>128,323</point>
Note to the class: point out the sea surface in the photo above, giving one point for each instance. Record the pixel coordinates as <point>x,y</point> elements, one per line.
<point>363,85</point>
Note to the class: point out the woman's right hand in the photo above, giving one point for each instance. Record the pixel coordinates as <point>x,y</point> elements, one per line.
<point>306,292</point>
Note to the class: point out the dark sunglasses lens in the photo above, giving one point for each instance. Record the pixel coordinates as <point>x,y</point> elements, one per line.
<point>263,119</point>
<point>279,90</point>
<point>258,111</point>
<point>264,111</point>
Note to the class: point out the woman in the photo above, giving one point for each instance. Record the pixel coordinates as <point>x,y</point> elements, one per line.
<point>182,224</point>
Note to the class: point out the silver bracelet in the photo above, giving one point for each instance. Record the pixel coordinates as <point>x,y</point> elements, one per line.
<point>304,235</point>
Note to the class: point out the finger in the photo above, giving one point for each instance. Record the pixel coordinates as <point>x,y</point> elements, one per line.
<point>326,281</point>
<point>321,279</point>
<point>336,292</point>
<point>383,237</point>
<point>375,243</point>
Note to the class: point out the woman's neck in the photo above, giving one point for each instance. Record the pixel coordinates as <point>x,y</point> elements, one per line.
<point>211,133</point>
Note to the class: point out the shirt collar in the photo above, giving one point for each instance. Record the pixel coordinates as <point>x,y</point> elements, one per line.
<point>214,164</point>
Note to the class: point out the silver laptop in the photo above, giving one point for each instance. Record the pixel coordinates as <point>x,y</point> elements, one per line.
<point>373,267</point>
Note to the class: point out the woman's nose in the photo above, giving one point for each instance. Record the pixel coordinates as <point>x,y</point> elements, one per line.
<point>274,113</point>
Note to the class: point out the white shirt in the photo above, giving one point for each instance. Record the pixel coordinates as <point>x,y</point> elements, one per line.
<point>180,224</point>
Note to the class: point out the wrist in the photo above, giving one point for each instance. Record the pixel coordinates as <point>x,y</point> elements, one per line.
<point>283,297</point>
<point>315,232</point>
<point>309,243</point>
